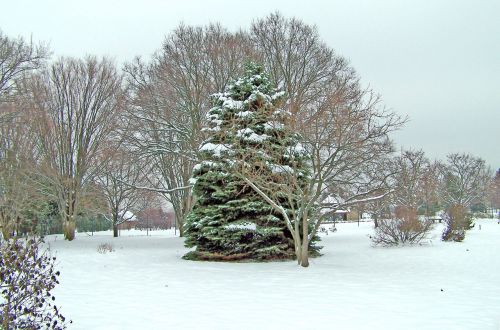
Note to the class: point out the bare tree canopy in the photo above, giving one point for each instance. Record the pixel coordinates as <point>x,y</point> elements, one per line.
<point>117,181</point>
<point>411,169</point>
<point>465,180</point>
<point>345,128</point>
<point>494,192</point>
<point>75,103</point>
<point>18,56</point>
<point>17,199</point>
<point>298,61</point>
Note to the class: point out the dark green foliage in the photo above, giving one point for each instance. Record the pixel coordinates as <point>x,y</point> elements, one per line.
<point>92,223</point>
<point>230,221</point>
<point>479,207</point>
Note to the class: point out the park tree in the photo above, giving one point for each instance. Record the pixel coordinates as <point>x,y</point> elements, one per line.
<point>408,195</point>
<point>430,189</point>
<point>344,126</point>
<point>494,191</point>
<point>464,181</point>
<point>16,158</point>
<point>249,142</point>
<point>18,57</point>
<point>118,180</point>
<point>411,168</point>
<point>75,103</point>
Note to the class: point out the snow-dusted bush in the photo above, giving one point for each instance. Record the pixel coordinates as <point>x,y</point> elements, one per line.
<point>27,277</point>
<point>407,228</point>
<point>105,248</point>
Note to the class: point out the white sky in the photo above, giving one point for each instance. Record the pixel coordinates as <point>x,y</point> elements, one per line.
<point>436,61</point>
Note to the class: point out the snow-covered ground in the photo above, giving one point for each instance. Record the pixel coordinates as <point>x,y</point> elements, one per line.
<point>144,284</point>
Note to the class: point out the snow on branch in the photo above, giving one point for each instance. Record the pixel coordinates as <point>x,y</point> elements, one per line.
<point>161,191</point>
<point>333,204</point>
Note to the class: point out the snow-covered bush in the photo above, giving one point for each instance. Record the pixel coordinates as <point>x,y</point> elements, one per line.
<point>27,277</point>
<point>457,220</point>
<point>406,228</point>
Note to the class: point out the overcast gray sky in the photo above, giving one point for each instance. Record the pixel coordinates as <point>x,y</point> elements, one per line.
<point>436,61</point>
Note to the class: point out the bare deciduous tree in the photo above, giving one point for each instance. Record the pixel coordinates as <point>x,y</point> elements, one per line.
<point>411,169</point>
<point>494,192</point>
<point>410,186</point>
<point>16,154</point>
<point>76,102</point>
<point>320,198</point>
<point>117,180</point>
<point>344,126</point>
<point>17,58</point>
<point>465,180</point>
<point>430,188</point>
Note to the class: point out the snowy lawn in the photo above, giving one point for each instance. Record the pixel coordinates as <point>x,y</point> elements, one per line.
<point>144,284</point>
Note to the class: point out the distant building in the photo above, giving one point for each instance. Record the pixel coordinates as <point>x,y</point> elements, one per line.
<point>128,224</point>
<point>155,218</point>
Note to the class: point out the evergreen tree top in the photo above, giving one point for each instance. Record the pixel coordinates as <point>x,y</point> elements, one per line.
<point>253,92</point>
<point>255,80</point>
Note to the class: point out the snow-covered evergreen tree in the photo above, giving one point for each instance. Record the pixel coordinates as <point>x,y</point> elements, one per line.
<point>230,221</point>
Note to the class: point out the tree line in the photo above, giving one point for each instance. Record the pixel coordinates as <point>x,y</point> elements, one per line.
<point>80,137</point>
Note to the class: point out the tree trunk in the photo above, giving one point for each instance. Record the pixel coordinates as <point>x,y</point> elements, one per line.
<point>304,260</point>
<point>69,223</point>
<point>187,205</point>
<point>298,251</point>
<point>115,224</point>
<point>180,226</point>
<point>69,229</point>
<point>375,220</point>
<point>304,253</point>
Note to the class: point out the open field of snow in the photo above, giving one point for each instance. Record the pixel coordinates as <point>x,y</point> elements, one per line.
<point>144,284</point>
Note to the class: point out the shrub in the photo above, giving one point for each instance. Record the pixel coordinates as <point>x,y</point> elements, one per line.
<point>457,220</point>
<point>405,229</point>
<point>104,248</point>
<point>27,276</point>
